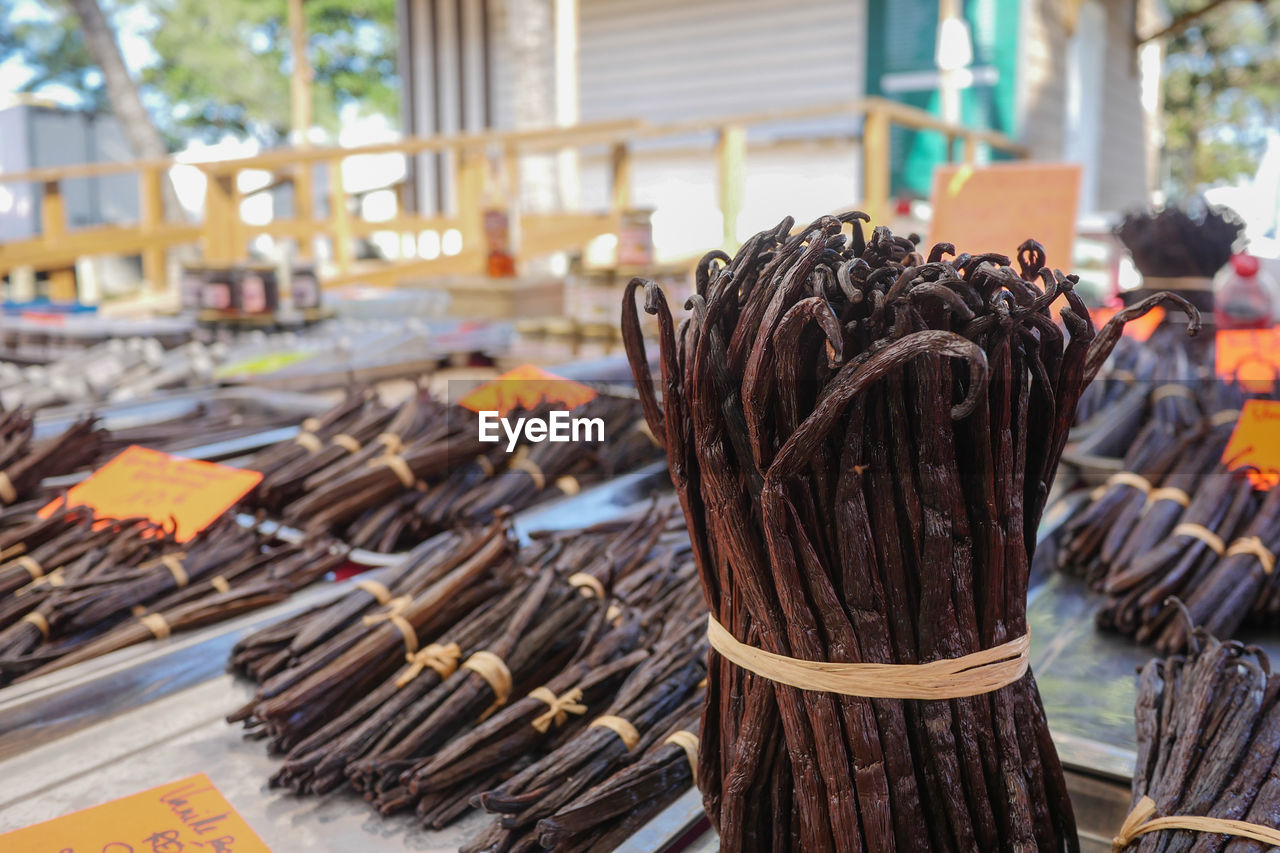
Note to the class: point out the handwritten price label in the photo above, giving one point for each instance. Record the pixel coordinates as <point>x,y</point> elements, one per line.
<point>1255,442</point>
<point>524,388</point>
<point>187,816</point>
<point>150,484</point>
<point>1250,356</point>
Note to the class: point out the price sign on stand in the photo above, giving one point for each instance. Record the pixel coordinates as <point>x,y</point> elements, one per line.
<point>524,388</point>
<point>1255,442</point>
<point>166,489</point>
<point>1250,356</point>
<point>187,815</point>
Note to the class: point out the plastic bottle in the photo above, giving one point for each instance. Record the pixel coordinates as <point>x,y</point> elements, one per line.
<point>1244,296</point>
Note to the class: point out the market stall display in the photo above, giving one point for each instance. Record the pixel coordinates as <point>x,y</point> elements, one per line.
<point>863,440</point>
<point>430,683</point>
<point>381,477</point>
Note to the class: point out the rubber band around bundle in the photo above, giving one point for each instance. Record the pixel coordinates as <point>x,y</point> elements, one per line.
<point>1226,416</point>
<point>36,618</point>
<point>620,727</point>
<point>380,593</point>
<point>588,585</point>
<point>1204,534</point>
<point>156,624</point>
<point>8,494</point>
<point>220,583</point>
<point>398,467</point>
<point>346,442</point>
<point>687,741</point>
<point>443,659</point>
<point>527,465</point>
<point>1171,389</point>
<point>392,614</point>
<point>1128,478</point>
<point>951,678</point>
<point>309,442</point>
<point>1253,546</point>
<point>1141,821</point>
<point>1169,493</point>
<point>558,707</point>
<point>494,671</point>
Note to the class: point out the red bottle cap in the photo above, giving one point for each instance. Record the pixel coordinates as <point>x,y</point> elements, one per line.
<point>1245,265</point>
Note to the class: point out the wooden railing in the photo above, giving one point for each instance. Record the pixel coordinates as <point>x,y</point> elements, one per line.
<point>224,236</point>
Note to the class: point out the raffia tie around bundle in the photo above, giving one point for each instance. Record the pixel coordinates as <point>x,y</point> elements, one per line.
<point>687,741</point>
<point>1169,493</point>
<point>8,494</point>
<point>398,466</point>
<point>1123,478</point>
<point>588,585</point>
<point>309,442</point>
<point>32,566</point>
<point>392,442</point>
<point>156,624</point>
<point>1141,821</point>
<point>220,583</point>
<point>54,578</point>
<point>1225,416</point>
<point>1253,546</point>
<point>393,614</point>
<point>173,562</point>
<point>12,551</point>
<point>1204,534</point>
<point>346,442</point>
<point>1171,389</point>
<point>622,728</point>
<point>494,671</point>
<point>522,462</point>
<point>42,624</point>
<point>953,678</point>
<point>380,593</point>
<point>558,707</point>
<point>568,485</point>
<point>441,658</point>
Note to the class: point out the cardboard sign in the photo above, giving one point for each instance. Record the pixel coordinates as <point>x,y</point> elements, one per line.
<point>187,815</point>
<point>1140,329</point>
<point>994,208</point>
<point>1250,356</point>
<point>524,388</point>
<point>1255,442</point>
<point>163,488</point>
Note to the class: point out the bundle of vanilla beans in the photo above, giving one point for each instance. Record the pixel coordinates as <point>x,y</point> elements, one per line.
<point>863,440</point>
<point>25,462</point>
<point>1174,241</point>
<point>1208,726</point>
<point>476,673</point>
<point>382,477</point>
<point>74,587</point>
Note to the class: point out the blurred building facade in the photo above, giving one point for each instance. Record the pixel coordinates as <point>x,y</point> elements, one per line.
<point>1065,77</point>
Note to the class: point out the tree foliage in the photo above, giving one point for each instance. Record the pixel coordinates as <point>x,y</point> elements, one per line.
<point>214,68</point>
<point>1221,92</point>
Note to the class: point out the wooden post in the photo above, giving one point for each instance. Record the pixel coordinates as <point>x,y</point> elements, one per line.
<point>300,79</point>
<point>970,149</point>
<point>875,165</point>
<point>620,177</point>
<point>471,166</point>
<point>340,219</point>
<point>731,161</point>
<point>53,229</point>
<point>151,195</point>
<point>304,205</point>
<point>218,211</point>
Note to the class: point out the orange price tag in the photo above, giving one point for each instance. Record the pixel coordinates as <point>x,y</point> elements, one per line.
<point>155,485</point>
<point>524,388</point>
<point>1250,356</point>
<point>1255,442</point>
<point>189,814</point>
